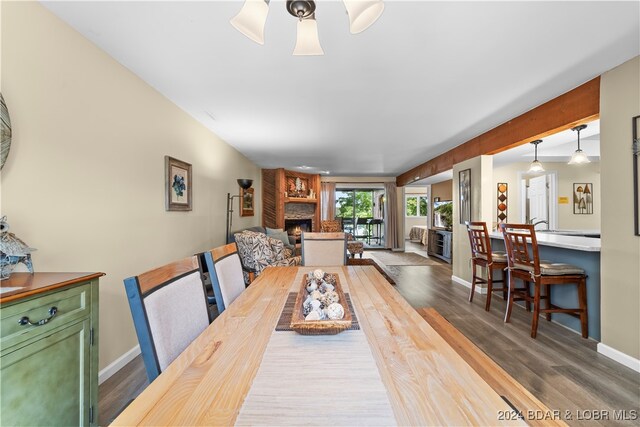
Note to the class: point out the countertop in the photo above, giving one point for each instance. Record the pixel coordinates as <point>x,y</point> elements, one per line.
<point>578,243</point>
<point>21,285</point>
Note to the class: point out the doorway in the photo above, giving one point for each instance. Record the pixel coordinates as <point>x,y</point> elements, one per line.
<point>538,200</point>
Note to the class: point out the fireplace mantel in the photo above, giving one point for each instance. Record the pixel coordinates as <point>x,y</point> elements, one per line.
<point>278,205</point>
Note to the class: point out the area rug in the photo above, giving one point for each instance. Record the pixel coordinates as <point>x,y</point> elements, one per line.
<point>369,261</point>
<point>402,258</point>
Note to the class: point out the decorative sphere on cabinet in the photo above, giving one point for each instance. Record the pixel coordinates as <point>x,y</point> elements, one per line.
<point>318,274</point>
<point>335,311</point>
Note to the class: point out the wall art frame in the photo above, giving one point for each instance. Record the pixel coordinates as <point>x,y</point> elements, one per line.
<point>178,185</point>
<point>464,195</point>
<point>635,149</point>
<point>246,202</point>
<point>582,198</point>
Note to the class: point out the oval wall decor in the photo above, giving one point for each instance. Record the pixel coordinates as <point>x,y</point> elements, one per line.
<point>6,132</point>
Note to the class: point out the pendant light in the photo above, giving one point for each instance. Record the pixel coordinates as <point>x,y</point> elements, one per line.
<point>363,13</point>
<point>251,19</point>
<point>578,157</point>
<point>307,41</point>
<point>536,166</point>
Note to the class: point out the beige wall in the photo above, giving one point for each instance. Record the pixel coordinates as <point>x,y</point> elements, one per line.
<point>620,259</point>
<point>84,182</point>
<point>481,204</point>
<point>412,221</point>
<point>443,189</point>
<point>567,175</point>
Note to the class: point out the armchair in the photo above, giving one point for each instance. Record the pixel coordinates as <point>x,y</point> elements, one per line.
<point>354,247</point>
<point>258,251</point>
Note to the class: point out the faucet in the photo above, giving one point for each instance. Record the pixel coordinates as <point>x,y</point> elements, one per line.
<point>541,222</point>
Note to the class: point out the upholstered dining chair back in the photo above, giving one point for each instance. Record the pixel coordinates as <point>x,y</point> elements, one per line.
<point>225,270</point>
<point>169,310</point>
<point>324,249</point>
<point>331,226</point>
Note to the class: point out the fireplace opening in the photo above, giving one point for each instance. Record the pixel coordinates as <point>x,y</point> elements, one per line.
<point>295,227</point>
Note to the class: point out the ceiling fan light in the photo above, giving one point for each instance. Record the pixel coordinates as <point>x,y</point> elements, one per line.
<point>251,19</point>
<point>308,42</point>
<point>536,167</point>
<point>363,13</point>
<point>579,158</point>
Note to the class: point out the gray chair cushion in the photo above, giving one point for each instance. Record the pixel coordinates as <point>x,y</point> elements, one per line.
<point>549,268</point>
<point>497,256</point>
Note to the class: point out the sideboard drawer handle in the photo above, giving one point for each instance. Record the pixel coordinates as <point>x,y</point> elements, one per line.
<point>52,313</point>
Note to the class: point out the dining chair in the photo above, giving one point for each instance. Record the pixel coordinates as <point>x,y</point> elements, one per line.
<point>324,249</point>
<point>169,309</point>
<point>483,256</point>
<point>525,264</point>
<point>225,270</point>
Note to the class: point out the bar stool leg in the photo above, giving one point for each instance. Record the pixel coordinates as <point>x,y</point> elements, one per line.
<point>507,314</point>
<point>582,297</point>
<point>536,310</point>
<point>547,301</point>
<point>489,287</point>
<point>505,286</point>
<point>473,280</point>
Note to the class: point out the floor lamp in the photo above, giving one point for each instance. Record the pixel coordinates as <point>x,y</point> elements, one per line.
<point>245,184</point>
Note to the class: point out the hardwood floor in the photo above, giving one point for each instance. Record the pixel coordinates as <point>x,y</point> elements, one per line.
<point>559,367</point>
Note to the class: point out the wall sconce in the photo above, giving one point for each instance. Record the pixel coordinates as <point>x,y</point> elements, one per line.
<point>245,184</point>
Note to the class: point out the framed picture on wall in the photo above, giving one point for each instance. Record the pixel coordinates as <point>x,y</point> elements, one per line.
<point>582,198</point>
<point>178,184</point>
<point>636,173</point>
<point>464,186</point>
<point>246,202</point>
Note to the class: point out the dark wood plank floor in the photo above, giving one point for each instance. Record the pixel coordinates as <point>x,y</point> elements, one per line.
<point>559,367</point>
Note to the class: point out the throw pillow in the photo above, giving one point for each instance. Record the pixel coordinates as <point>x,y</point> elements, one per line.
<point>280,234</point>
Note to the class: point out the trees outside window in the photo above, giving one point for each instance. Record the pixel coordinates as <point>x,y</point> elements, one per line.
<point>416,206</point>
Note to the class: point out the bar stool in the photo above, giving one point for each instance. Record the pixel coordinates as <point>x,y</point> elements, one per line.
<point>483,256</point>
<point>525,264</point>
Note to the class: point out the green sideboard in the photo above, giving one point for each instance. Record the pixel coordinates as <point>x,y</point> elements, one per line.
<point>49,349</point>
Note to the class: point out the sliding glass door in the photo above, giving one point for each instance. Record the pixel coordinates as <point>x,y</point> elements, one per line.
<point>361,212</point>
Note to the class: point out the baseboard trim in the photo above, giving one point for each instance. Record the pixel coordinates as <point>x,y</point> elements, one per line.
<point>479,289</point>
<point>620,357</point>
<point>118,364</point>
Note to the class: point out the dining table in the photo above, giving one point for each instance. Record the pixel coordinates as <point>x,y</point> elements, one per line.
<point>390,368</point>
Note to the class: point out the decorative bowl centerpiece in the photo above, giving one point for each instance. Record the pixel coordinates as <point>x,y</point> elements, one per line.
<point>321,307</point>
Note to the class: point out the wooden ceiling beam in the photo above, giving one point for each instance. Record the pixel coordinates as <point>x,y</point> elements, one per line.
<point>579,105</point>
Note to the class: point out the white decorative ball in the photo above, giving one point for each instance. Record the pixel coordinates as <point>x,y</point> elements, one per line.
<point>327,286</point>
<point>314,315</point>
<point>312,286</point>
<point>315,304</point>
<point>335,311</point>
<point>330,297</point>
<point>318,274</point>
<point>316,294</point>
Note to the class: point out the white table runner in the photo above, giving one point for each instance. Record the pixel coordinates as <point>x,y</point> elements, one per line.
<point>296,384</point>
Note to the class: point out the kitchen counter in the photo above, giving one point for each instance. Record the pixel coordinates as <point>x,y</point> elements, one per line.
<point>583,252</point>
<point>561,240</point>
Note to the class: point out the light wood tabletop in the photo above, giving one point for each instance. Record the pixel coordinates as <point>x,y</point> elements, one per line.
<point>395,370</point>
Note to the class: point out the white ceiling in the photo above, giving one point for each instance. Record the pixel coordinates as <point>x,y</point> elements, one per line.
<point>426,77</point>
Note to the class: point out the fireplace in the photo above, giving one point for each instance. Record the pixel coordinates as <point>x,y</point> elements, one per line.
<point>295,227</point>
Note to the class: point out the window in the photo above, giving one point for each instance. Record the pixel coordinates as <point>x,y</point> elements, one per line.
<point>416,205</point>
